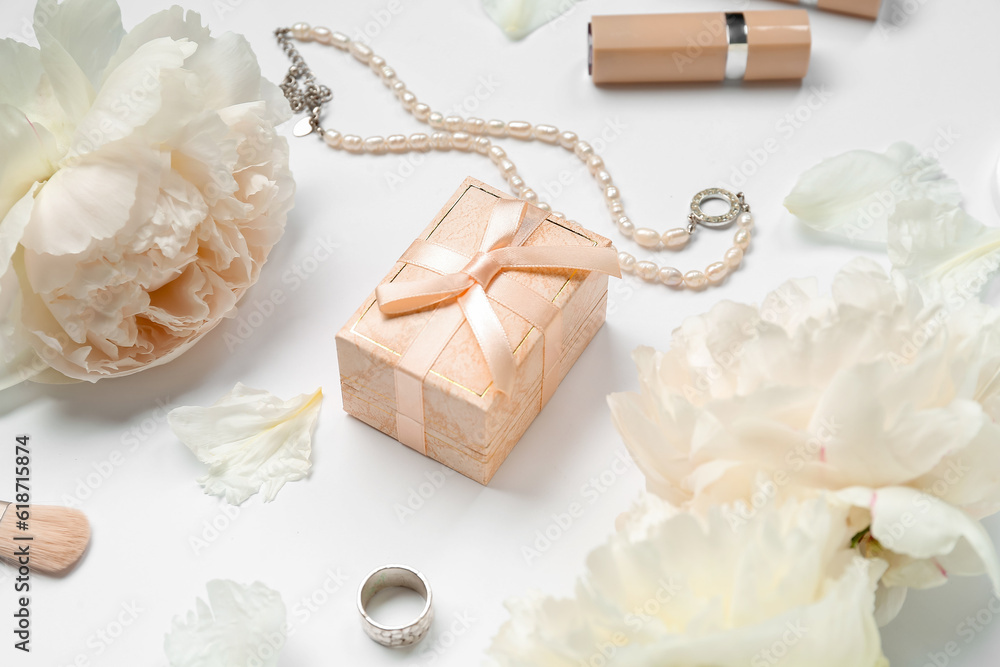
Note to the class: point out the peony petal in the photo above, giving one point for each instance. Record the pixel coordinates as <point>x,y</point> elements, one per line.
<point>21,74</point>
<point>132,94</point>
<point>251,440</point>
<point>29,156</point>
<point>518,18</point>
<point>102,193</point>
<point>915,524</point>
<point>89,31</point>
<point>238,625</point>
<point>853,195</point>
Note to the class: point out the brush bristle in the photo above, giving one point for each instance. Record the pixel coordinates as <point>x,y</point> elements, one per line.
<point>60,536</point>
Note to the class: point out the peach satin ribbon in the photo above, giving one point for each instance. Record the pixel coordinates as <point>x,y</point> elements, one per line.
<point>472,282</point>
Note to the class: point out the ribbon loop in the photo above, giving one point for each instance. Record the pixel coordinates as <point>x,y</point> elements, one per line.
<point>483,268</point>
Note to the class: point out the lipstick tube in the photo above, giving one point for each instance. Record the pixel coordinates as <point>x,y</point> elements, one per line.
<point>711,46</point>
<point>867,9</point>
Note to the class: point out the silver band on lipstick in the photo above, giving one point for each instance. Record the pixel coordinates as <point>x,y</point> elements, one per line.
<point>395,576</point>
<point>739,49</point>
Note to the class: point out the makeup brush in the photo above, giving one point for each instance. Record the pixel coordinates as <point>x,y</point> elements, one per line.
<point>59,536</point>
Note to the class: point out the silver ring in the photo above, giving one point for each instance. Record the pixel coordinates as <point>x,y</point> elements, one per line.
<point>736,203</point>
<point>739,48</point>
<point>395,576</point>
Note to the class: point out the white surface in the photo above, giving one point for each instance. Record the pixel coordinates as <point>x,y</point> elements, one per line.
<point>917,75</point>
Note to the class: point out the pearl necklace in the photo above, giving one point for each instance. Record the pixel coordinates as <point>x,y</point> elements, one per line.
<point>476,134</point>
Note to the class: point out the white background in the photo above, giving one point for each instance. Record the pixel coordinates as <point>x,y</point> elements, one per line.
<point>925,70</point>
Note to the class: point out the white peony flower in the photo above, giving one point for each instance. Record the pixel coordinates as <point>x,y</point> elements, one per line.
<point>872,393</point>
<point>250,440</point>
<point>670,590</point>
<point>142,186</point>
<point>239,625</point>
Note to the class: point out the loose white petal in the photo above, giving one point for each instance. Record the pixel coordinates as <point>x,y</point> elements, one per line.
<point>518,18</point>
<point>853,195</point>
<point>251,440</point>
<point>239,625</point>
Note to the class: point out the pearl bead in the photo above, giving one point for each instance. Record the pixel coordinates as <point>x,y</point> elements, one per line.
<point>436,120</point>
<point>441,141</point>
<point>496,154</point>
<point>397,87</point>
<point>625,226</point>
<point>583,150</point>
<point>475,125</point>
<point>676,238</point>
<point>695,279</point>
<point>515,181</point>
<point>421,111</point>
<point>397,143</point>
<point>611,193</point>
<point>617,208</point>
<point>626,262</point>
<point>547,133</point>
<point>408,99</point>
<point>483,145</point>
<point>519,129</point>
<point>733,257</point>
<point>332,138</point>
<point>420,142</point>
<point>604,178</point>
<point>321,35</point>
<point>742,239</point>
<point>542,205</point>
<point>387,74</point>
<point>496,128</point>
<point>506,166</point>
<point>375,144</point>
<point>745,220</point>
<point>529,195</point>
<point>595,163</point>
<point>361,52</point>
<point>300,31</point>
<point>454,123</point>
<point>352,143</point>
<point>716,272</point>
<point>646,270</point>
<point>647,238</point>
<point>557,215</point>
<point>340,40</point>
<point>670,276</point>
<point>568,140</point>
<point>461,140</point>
<point>376,63</point>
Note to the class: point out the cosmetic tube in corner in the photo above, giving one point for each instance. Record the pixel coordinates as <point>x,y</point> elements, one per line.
<point>699,47</point>
<point>866,9</point>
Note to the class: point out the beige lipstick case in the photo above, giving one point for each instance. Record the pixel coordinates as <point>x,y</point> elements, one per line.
<point>710,46</point>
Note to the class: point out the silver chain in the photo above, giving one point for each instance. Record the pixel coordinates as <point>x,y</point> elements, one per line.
<point>299,84</point>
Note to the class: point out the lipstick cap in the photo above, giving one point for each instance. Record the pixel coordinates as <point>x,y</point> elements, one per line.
<point>710,46</point>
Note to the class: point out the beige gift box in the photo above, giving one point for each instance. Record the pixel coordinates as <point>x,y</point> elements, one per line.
<point>468,424</point>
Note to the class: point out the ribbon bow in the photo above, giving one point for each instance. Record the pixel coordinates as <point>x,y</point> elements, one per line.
<point>499,251</point>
